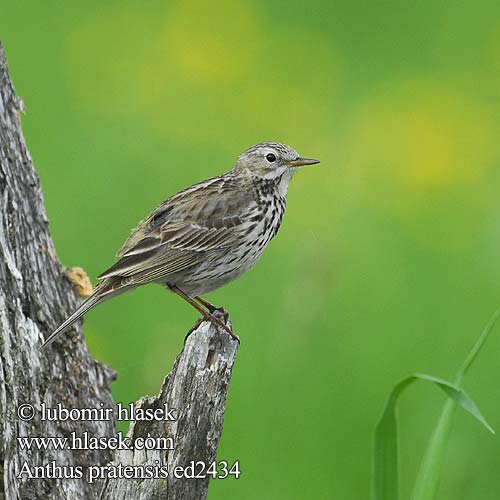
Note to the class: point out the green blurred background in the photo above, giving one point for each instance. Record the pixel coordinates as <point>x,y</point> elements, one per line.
<point>387,261</point>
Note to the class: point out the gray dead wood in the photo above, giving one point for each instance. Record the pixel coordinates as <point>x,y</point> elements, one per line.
<point>35,297</point>
<point>196,388</point>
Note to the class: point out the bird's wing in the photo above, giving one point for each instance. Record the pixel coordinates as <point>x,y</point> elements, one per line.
<point>181,231</point>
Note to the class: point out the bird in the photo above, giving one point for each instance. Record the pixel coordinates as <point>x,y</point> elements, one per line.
<point>205,236</point>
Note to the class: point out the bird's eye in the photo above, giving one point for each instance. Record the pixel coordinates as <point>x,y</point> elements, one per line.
<point>270,157</point>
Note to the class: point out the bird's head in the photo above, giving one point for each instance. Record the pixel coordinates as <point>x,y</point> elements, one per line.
<point>270,160</point>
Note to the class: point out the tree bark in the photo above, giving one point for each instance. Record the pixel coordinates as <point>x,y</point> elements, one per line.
<point>35,296</point>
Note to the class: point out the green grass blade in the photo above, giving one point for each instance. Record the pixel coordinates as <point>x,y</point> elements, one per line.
<point>478,346</point>
<point>427,482</point>
<point>385,449</point>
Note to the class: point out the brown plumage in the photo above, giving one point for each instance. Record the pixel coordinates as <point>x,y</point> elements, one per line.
<point>205,236</point>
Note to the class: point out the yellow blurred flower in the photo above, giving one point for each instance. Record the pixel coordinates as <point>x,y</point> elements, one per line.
<point>212,41</point>
<point>416,136</point>
<point>424,153</point>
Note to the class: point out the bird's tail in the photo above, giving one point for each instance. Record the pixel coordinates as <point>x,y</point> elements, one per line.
<point>103,291</point>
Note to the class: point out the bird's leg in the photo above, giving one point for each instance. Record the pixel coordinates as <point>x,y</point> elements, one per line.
<point>206,304</point>
<point>211,307</point>
<point>205,314</point>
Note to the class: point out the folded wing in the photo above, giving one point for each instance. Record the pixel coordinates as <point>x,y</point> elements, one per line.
<point>182,231</point>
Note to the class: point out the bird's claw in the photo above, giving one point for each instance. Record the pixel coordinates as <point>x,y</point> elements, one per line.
<point>222,312</point>
<point>221,322</point>
<point>212,317</point>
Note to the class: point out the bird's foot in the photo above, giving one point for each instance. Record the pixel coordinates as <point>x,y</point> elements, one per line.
<point>218,323</point>
<point>221,311</point>
<point>221,323</point>
<point>210,315</point>
<point>212,309</point>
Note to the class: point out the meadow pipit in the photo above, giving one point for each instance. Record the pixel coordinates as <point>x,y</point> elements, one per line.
<point>205,236</point>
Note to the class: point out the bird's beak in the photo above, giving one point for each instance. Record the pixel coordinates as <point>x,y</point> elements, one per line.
<point>299,162</point>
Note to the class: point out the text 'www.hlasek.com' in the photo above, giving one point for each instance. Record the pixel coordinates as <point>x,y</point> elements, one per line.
<point>158,446</point>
